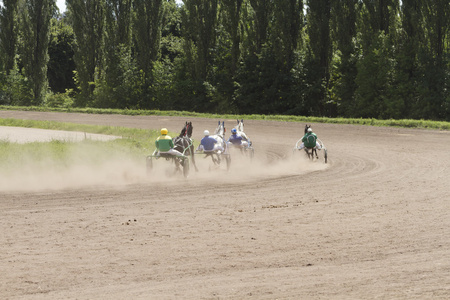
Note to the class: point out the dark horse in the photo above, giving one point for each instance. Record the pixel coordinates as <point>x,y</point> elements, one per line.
<point>184,144</point>
<point>313,150</point>
<point>307,127</point>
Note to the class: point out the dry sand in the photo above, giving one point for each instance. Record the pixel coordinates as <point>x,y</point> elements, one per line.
<point>373,223</point>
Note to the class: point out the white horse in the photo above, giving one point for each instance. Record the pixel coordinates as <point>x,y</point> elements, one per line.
<point>246,145</point>
<point>219,136</point>
<point>220,150</point>
<point>240,130</point>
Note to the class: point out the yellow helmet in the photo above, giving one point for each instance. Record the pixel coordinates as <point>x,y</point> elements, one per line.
<point>164,131</point>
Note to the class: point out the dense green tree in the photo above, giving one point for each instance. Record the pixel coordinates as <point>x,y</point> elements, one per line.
<point>171,35</point>
<point>286,43</point>
<point>344,16</point>
<point>319,55</point>
<point>406,72</point>
<point>200,26</point>
<point>376,66</point>
<point>117,53</point>
<point>118,21</point>
<point>354,58</point>
<point>88,20</point>
<point>434,61</point>
<point>380,14</point>
<point>288,17</point>
<point>264,87</point>
<point>199,19</point>
<point>147,26</point>
<point>231,19</point>
<point>16,90</point>
<point>8,34</point>
<point>259,24</point>
<point>227,53</point>
<point>61,52</point>
<point>374,71</point>
<point>267,79</point>
<point>128,92</point>
<point>167,92</point>
<point>35,29</point>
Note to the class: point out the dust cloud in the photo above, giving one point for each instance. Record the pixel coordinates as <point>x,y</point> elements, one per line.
<point>88,167</point>
<point>84,167</point>
<point>244,169</point>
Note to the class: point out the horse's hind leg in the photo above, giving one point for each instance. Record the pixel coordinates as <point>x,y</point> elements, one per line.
<point>177,164</point>
<point>191,149</point>
<point>308,153</point>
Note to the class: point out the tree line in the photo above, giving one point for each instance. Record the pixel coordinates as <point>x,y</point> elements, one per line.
<point>349,58</point>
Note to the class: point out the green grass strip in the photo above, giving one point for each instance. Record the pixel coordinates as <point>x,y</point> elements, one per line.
<point>406,123</point>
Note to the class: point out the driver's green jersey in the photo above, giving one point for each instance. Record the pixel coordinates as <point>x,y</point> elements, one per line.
<point>164,143</point>
<point>309,140</point>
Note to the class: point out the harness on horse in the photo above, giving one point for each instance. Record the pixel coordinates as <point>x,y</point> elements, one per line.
<point>183,142</point>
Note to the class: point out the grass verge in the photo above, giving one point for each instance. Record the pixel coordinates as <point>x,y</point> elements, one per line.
<point>134,145</point>
<point>408,123</point>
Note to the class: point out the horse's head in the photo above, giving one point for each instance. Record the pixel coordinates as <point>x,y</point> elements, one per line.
<point>240,125</point>
<point>307,127</point>
<point>183,131</point>
<point>189,129</point>
<point>220,130</point>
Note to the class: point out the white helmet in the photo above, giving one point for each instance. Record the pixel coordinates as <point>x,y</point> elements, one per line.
<point>309,130</point>
<point>206,132</point>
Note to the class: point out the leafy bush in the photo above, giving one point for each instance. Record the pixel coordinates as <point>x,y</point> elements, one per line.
<point>62,100</point>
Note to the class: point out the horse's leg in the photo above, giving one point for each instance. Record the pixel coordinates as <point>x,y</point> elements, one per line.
<point>217,158</point>
<point>192,150</point>
<point>177,164</point>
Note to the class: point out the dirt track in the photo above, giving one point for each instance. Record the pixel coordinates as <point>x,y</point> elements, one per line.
<point>371,224</point>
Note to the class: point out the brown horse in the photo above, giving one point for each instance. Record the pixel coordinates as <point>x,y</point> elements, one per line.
<point>184,144</point>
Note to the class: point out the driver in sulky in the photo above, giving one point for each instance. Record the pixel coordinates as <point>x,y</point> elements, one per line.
<point>164,144</point>
<point>209,144</point>
<point>237,140</point>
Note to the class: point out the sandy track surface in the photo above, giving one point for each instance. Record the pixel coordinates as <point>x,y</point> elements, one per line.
<point>373,223</point>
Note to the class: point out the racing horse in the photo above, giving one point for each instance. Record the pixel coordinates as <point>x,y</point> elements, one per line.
<point>240,130</point>
<point>183,142</point>
<point>248,149</point>
<point>219,136</point>
<point>310,151</point>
